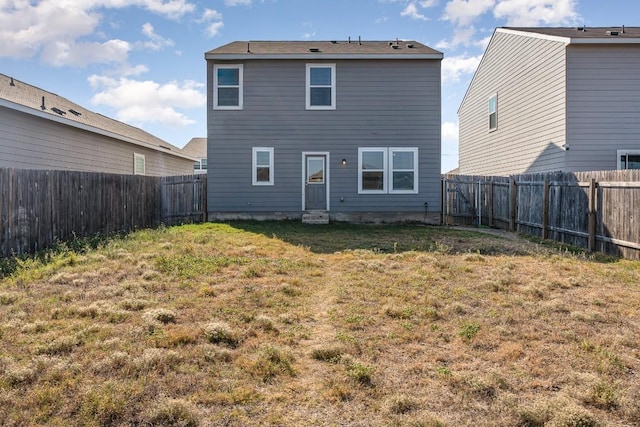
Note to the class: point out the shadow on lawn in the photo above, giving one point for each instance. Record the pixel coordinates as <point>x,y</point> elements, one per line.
<point>385,238</point>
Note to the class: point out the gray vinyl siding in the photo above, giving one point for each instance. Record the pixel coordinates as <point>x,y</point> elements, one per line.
<point>29,142</point>
<point>603,104</point>
<point>528,76</point>
<point>378,104</point>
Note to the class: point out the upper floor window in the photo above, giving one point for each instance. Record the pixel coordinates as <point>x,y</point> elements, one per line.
<point>628,159</point>
<point>138,164</point>
<point>321,87</point>
<point>388,170</point>
<point>493,112</point>
<point>262,160</point>
<point>227,87</point>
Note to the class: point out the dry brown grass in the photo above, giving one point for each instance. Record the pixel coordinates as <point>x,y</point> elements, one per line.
<point>281,324</point>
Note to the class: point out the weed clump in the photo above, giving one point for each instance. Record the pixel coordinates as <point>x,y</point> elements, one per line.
<point>173,412</point>
<point>221,333</point>
<point>160,315</point>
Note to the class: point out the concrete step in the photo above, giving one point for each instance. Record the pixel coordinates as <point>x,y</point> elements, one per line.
<point>315,217</point>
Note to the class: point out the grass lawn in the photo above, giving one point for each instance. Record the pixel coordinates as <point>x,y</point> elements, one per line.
<point>258,324</point>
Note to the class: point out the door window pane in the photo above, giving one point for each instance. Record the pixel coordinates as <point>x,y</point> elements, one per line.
<point>315,171</point>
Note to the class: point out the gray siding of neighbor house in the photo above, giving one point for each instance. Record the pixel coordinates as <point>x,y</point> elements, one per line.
<point>392,103</point>
<point>528,76</point>
<point>29,142</point>
<point>603,104</point>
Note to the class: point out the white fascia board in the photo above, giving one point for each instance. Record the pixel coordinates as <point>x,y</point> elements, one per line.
<point>33,112</point>
<point>243,56</point>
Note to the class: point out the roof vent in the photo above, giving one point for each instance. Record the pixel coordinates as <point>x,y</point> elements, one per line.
<point>43,106</point>
<point>612,33</point>
<point>57,110</point>
<point>394,46</point>
<point>12,83</point>
<point>74,112</point>
<point>334,42</point>
<point>583,29</point>
<point>314,49</point>
<point>410,46</point>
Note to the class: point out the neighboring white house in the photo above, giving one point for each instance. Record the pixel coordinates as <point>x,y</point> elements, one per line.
<point>42,130</point>
<point>553,99</point>
<point>197,148</point>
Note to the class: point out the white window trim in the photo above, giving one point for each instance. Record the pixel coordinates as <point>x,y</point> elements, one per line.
<point>383,150</point>
<point>414,150</point>
<point>254,165</point>
<point>333,87</point>
<point>136,157</point>
<point>495,95</point>
<point>240,68</point>
<point>622,152</point>
<point>387,163</point>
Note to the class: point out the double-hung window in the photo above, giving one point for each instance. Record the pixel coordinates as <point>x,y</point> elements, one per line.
<point>493,112</point>
<point>262,164</point>
<point>392,170</point>
<point>227,87</point>
<point>628,159</point>
<point>321,87</point>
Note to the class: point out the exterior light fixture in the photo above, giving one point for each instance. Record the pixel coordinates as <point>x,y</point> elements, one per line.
<point>344,162</point>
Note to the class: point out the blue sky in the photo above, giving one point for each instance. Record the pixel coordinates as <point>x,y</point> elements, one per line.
<point>142,61</point>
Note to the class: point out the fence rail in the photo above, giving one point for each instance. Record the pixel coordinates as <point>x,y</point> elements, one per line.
<point>596,210</point>
<point>41,207</point>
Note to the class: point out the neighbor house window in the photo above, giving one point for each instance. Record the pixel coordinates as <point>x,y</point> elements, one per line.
<point>387,170</point>
<point>227,87</point>
<point>262,165</point>
<point>200,166</point>
<point>493,112</point>
<point>138,164</point>
<point>628,159</point>
<point>321,86</point>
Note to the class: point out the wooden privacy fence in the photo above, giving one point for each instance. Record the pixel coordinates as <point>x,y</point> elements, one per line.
<point>599,211</point>
<point>40,207</point>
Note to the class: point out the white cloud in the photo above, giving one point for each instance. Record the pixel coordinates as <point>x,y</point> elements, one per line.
<point>74,54</point>
<point>213,18</point>
<point>536,12</point>
<point>155,42</point>
<point>411,11</point>
<point>464,12</point>
<point>52,28</point>
<point>456,66</point>
<point>237,2</point>
<point>138,101</point>
<point>450,132</point>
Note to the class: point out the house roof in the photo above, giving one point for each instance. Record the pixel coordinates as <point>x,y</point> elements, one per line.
<point>580,35</point>
<point>336,49</point>
<point>33,100</point>
<point>197,148</point>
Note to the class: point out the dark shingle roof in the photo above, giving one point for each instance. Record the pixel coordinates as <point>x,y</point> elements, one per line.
<point>34,98</point>
<point>323,49</point>
<point>583,33</point>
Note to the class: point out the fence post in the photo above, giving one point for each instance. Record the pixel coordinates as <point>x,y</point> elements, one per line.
<point>592,214</point>
<point>490,202</point>
<point>512,204</point>
<point>545,208</point>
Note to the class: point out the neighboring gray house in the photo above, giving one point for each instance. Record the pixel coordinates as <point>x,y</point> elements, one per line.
<point>41,130</point>
<point>343,129</point>
<point>197,148</point>
<point>553,99</point>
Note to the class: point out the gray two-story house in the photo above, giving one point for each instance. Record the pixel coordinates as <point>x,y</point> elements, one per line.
<point>553,99</point>
<point>347,130</point>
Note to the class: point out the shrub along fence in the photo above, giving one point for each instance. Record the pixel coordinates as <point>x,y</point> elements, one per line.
<point>42,207</point>
<point>599,211</point>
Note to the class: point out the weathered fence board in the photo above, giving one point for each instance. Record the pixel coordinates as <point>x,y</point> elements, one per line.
<point>595,210</point>
<point>40,207</point>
